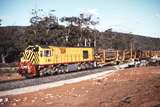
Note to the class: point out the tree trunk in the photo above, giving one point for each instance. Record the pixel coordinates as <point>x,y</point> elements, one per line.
<point>85,42</point>
<point>3,59</point>
<point>95,42</point>
<point>89,42</point>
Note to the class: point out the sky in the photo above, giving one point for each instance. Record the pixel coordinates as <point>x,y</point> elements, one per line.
<point>140,17</point>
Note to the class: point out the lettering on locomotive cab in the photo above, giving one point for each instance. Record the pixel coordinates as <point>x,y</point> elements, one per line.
<point>63,50</point>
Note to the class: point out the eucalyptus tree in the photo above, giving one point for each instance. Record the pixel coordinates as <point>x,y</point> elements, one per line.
<point>41,25</point>
<point>83,22</point>
<point>86,21</point>
<point>70,23</point>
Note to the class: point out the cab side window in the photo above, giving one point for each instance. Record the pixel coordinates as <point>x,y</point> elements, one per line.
<point>47,53</point>
<point>85,54</point>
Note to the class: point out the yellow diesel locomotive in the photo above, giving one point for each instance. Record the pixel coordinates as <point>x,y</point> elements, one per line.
<point>43,60</point>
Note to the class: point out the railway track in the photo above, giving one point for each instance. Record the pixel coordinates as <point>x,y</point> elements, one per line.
<point>48,79</point>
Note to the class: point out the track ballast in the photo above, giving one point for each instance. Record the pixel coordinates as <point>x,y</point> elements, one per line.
<point>54,78</point>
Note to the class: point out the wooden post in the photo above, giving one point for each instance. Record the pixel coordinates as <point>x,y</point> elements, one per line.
<point>158,53</point>
<point>123,55</point>
<point>131,51</point>
<point>135,55</point>
<point>104,56</point>
<point>141,54</point>
<point>117,55</point>
<point>150,53</point>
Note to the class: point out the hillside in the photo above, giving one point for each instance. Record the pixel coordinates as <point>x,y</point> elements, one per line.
<point>15,38</point>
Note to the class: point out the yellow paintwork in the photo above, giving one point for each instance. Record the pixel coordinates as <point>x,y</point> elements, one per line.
<point>61,55</point>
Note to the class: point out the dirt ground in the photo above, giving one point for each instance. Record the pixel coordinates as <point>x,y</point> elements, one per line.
<point>9,76</point>
<point>134,87</point>
<point>8,73</point>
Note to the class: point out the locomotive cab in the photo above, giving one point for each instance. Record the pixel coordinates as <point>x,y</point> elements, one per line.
<point>45,56</point>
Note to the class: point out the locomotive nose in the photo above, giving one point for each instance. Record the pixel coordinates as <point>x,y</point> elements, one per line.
<point>22,68</point>
<point>26,67</point>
